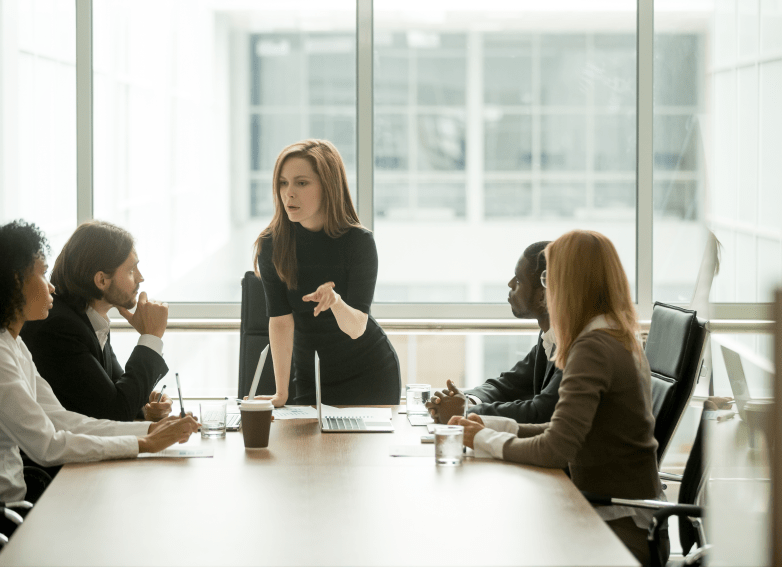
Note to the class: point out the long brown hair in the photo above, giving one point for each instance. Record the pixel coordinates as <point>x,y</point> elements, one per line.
<point>340,214</point>
<point>585,279</point>
<point>95,246</point>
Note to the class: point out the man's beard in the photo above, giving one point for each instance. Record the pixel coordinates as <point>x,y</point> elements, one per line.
<point>119,299</point>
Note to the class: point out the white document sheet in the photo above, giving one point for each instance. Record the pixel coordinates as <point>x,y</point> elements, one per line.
<point>295,412</point>
<point>180,453</point>
<point>419,419</point>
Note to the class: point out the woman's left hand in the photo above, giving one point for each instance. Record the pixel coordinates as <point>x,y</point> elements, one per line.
<point>325,296</point>
<point>472,425</point>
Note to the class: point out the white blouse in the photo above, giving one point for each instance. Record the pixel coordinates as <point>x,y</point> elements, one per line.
<point>31,418</point>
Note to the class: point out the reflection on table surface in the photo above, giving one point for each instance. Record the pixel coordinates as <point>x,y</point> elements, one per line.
<point>739,496</point>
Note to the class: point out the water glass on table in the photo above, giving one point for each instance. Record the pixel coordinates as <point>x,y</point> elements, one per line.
<point>416,396</point>
<point>212,419</point>
<point>448,445</point>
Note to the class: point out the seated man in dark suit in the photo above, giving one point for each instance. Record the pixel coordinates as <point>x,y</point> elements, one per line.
<point>530,390</point>
<point>97,270</point>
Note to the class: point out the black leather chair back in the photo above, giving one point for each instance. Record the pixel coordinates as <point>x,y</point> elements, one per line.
<point>254,336</point>
<point>693,480</point>
<point>674,349</point>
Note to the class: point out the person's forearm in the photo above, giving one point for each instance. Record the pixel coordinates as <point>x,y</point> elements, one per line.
<point>281,341</point>
<point>351,321</point>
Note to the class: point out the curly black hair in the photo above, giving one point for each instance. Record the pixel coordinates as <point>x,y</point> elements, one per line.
<point>20,244</point>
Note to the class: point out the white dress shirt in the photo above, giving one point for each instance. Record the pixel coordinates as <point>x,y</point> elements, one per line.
<point>33,419</point>
<point>548,342</point>
<point>101,324</point>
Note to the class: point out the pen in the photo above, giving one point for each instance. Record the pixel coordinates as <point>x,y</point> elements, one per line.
<point>181,403</point>
<point>160,397</point>
<point>466,403</point>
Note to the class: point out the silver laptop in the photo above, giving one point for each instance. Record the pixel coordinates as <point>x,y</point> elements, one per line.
<point>350,420</point>
<point>738,382</point>
<point>233,419</point>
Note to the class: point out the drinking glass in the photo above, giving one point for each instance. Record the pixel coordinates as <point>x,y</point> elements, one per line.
<point>212,419</point>
<point>448,445</point>
<point>417,396</point>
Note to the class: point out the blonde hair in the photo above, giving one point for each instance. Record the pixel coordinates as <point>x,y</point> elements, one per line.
<point>585,279</point>
<point>340,214</point>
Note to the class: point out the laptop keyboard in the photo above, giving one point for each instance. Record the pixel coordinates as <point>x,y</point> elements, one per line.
<point>231,419</point>
<point>345,423</point>
<point>212,416</point>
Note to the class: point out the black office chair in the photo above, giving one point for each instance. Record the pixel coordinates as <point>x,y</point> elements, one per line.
<point>691,530</point>
<point>37,479</point>
<point>674,349</point>
<point>254,337</point>
<point>11,519</point>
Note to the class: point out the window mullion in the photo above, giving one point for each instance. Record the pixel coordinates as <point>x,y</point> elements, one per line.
<point>84,133</point>
<point>364,112</point>
<point>644,156</point>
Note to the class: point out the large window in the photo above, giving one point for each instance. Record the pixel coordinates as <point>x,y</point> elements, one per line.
<point>494,125</point>
<point>488,141</point>
<point>38,115</point>
<point>191,109</point>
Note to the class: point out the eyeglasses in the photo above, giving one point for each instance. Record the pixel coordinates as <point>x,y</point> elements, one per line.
<point>543,278</point>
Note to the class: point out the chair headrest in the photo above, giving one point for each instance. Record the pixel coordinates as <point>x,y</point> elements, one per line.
<point>672,335</point>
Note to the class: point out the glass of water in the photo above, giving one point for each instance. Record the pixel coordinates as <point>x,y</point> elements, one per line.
<point>448,445</point>
<point>417,395</point>
<point>212,419</point>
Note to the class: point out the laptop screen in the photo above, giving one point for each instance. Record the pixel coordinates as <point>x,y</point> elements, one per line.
<point>738,382</point>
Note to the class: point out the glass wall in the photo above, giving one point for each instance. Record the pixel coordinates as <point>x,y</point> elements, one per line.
<point>717,134</point>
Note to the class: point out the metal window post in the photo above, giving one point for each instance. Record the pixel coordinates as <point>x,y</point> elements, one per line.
<point>645,158</point>
<point>84,198</point>
<point>364,112</point>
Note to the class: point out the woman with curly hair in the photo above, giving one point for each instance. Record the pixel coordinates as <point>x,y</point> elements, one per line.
<point>31,417</point>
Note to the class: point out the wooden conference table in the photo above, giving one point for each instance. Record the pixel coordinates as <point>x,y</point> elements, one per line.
<point>313,499</point>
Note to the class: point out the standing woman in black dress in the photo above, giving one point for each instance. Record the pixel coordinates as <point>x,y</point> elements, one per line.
<point>318,266</point>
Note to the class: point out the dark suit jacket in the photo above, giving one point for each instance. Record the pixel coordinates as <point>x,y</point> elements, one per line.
<point>527,393</point>
<point>85,379</point>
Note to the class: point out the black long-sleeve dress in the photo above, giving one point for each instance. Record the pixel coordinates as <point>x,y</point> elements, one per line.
<point>358,371</point>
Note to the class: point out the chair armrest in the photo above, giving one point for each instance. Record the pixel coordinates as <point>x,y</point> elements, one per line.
<point>602,500</point>
<point>686,510</point>
<point>660,521</point>
<point>13,516</point>
<point>22,504</point>
<point>670,477</point>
